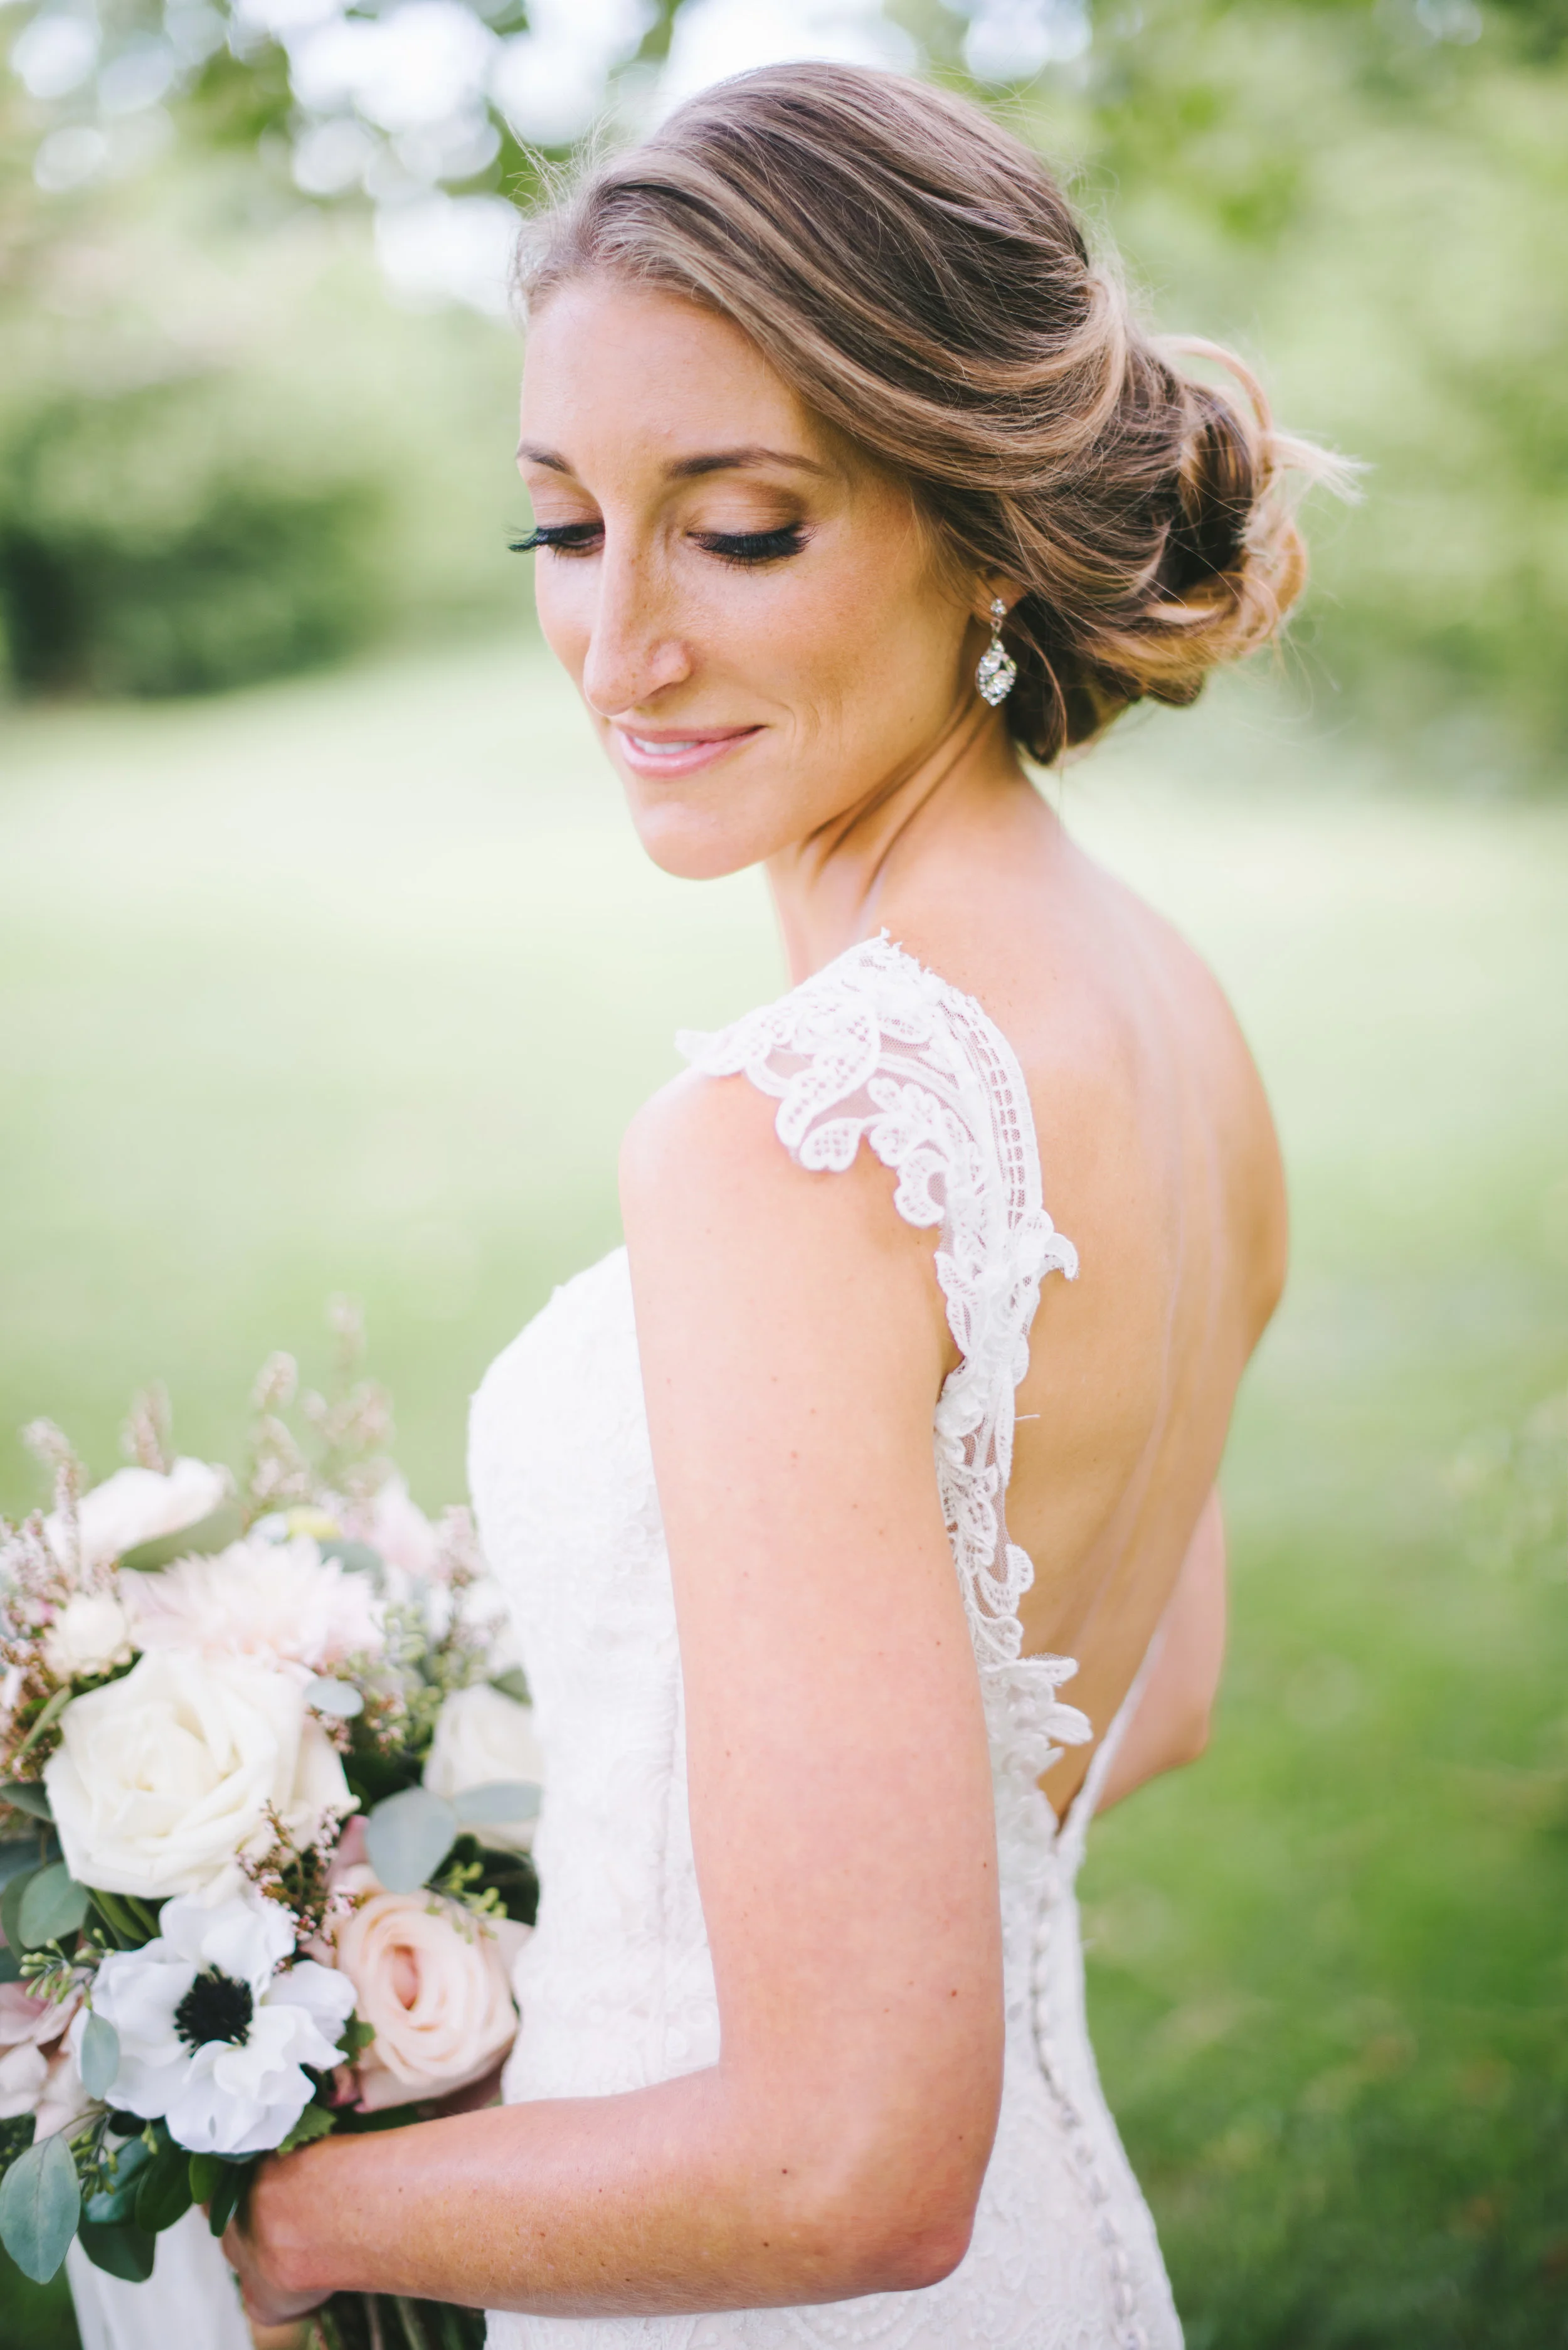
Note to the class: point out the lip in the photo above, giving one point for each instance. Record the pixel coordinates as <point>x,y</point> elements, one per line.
<point>690,748</point>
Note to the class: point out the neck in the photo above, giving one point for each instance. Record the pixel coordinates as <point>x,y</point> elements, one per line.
<point>829,889</point>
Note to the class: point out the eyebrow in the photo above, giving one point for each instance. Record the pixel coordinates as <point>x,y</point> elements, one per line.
<point>689,469</point>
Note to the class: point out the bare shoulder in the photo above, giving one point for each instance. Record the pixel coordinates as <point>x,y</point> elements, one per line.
<point>698,1134</point>
<point>708,1148</point>
<point>709,1189</point>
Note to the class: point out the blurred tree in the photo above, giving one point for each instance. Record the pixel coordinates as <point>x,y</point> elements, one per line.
<point>1373,202</point>
<point>1370,196</point>
<point>223,454</point>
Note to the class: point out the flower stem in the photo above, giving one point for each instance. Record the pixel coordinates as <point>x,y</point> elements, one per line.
<point>414,2324</point>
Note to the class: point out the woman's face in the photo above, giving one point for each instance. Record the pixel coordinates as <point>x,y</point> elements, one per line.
<point>751,611</point>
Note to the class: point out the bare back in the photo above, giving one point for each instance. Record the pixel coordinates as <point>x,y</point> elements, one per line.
<point>1160,1161</point>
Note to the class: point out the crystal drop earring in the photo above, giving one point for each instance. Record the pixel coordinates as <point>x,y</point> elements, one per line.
<point>998,671</point>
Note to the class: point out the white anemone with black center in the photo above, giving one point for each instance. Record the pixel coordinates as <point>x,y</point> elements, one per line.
<point>218,2036</point>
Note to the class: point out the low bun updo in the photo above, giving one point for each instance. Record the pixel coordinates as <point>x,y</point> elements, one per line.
<point>918,277</point>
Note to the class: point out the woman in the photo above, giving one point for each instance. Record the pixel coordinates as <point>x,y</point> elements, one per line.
<point>854,484</point>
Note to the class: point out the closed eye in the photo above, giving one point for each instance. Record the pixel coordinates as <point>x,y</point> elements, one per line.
<point>752,545</point>
<point>565,537</point>
<point>731,546</point>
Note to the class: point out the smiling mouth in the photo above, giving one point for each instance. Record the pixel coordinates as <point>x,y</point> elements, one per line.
<point>680,755</point>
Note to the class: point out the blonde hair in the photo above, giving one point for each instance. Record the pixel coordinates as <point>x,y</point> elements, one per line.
<point>918,277</point>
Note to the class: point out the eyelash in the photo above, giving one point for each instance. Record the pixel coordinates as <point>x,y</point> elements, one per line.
<point>567,538</point>
<point>743,547</point>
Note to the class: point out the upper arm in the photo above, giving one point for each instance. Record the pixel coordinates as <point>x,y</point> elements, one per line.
<point>793,1345</point>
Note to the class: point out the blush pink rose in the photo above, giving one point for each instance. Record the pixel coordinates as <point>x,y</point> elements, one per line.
<point>37,2075</point>
<point>432,1981</point>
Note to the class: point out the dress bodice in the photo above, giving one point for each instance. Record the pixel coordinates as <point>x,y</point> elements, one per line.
<point>616,1986</point>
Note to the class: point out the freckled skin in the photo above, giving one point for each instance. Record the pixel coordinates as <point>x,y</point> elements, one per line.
<point>812,707</point>
<point>649,624</point>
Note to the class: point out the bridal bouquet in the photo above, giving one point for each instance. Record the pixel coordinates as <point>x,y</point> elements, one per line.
<point>267,1780</point>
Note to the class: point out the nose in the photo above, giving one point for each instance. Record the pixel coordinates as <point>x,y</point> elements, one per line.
<point>634,649</point>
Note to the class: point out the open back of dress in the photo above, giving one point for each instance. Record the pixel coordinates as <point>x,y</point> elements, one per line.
<point>616,1986</point>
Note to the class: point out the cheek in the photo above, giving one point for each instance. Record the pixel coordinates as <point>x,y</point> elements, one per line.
<point>796,641</point>
<point>564,605</point>
<point>870,660</point>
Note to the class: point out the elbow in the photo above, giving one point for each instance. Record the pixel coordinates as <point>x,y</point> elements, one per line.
<point>884,2174</point>
<point>899,2221</point>
<point>924,2254</point>
<point>902,2251</point>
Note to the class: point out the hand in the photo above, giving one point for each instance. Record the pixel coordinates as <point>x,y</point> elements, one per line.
<point>251,2247</point>
<point>273,2310</point>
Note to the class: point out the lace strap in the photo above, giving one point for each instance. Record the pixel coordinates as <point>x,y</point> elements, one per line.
<point>876,1047</point>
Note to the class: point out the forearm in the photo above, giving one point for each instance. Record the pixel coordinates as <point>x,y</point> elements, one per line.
<point>1171,1727</point>
<point>660,2201</point>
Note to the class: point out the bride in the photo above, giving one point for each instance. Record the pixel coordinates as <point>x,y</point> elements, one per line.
<point>856,486</point>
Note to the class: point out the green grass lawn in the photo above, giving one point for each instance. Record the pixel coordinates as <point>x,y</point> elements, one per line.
<point>350,986</point>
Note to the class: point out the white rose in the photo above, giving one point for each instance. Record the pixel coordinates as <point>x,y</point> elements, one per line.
<point>137,1506</point>
<point>213,2038</point>
<point>481,1736</point>
<point>432,1982</point>
<point>91,1633</point>
<point>161,1780</point>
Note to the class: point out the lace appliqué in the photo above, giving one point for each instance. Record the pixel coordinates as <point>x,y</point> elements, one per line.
<point>876,1047</point>
<point>616,1985</point>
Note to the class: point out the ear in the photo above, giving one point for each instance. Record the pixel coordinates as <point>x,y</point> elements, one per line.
<point>995,587</point>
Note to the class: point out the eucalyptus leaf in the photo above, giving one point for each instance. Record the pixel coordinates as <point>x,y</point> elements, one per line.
<point>408,1837</point>
<point>19,1856</point>
<point>10,1901</point>
<point>215,1532</point>
<point>513,1683</point>
<point>497,1800</point>
<point>41,2204</point>
<point>98,2061</point>
<point>119,2248</point>
<point>10,1968</point>
<point>53,1906</point>
<point>357,1556</point>
<point>28,1795</point>
<point>341,1699</point>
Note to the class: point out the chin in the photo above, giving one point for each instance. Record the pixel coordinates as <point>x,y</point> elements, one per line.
<point>691,845</point>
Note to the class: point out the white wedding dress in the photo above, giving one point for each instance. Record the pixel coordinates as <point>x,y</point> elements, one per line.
<point>616,1986</point>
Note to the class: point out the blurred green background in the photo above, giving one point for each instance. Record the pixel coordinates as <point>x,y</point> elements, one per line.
<point>328,965</point>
